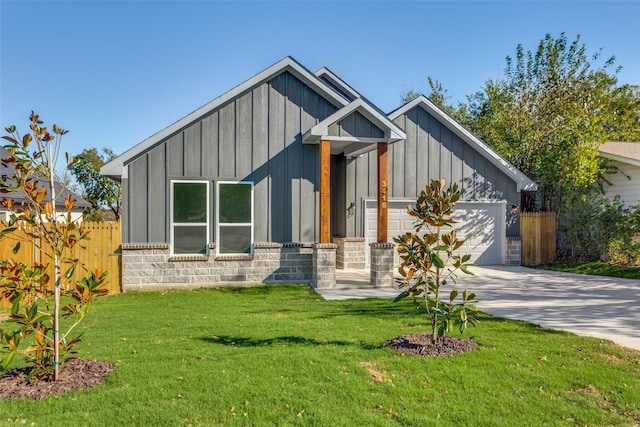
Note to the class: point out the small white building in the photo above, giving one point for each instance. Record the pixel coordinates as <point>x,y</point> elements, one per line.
<point>625,156</point>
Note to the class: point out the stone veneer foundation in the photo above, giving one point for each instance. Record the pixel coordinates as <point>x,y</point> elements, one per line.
<point>514,251</point>
<point>382,264</point>
<point>324,265</point>
<point>350,253</point>
<point>150,266</point>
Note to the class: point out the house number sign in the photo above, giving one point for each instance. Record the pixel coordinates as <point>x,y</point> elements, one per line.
<point>383,194</point>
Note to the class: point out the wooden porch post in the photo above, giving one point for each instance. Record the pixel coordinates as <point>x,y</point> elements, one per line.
<point>325,190</point>
<point>383,187</point>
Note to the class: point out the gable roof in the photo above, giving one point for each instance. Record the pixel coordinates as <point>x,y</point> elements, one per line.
<point>354,146</point>
<point>521,180</point>
<point>337,84</point>
<point>7,170</point>
<point>625,152</point>
<point>115,168</point>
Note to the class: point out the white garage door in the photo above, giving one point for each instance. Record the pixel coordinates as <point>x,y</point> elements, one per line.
<point>481,224</point>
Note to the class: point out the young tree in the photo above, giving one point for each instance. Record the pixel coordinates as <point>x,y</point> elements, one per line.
<point>429,260</point>
<point>32,287</point>
<point>103,193</point>
<point>551,112</point>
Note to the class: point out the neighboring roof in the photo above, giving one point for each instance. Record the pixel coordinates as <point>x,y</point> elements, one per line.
<point>354,146</point>
<point>337,84</point>
<point>7,169</point>
<point>522,181</point>
<point>115,168</point>
<point>625,152</point>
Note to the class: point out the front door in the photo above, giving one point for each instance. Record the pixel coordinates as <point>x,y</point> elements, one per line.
<point>338,195</point>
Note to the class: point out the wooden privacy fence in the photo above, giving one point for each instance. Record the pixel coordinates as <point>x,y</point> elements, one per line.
<point>538,231</point>
<point>101,251</point>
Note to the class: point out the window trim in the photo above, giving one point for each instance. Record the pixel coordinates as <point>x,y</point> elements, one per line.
<point>173,224</point>
<point>242,224</point>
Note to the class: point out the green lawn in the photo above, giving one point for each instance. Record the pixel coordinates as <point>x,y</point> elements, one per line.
<point>280,355</point>
<point>595,268</point>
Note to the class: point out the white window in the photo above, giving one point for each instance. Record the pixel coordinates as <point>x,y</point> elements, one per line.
<point>190,217</point>
<point>234,233</point>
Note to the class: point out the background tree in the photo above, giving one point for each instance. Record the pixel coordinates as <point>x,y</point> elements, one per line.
<point>103,193</point>
<point>550,113</point>
<point>408,96</point>
<point>626,109</point>
<point>440,97</point>
<point>548,116</point>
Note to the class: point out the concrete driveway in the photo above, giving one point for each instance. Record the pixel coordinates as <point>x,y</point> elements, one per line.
<point>602,307</point>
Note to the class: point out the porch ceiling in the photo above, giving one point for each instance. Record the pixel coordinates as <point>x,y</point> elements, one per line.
<point>351,147</point>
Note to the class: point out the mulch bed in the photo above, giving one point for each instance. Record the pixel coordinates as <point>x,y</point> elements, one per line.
<point>75,374</point>
<point>424,345</point>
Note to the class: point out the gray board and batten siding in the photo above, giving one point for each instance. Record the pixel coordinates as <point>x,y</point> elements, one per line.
<point>263,131</point>
<point>430,151</point>
<point>256,136</point>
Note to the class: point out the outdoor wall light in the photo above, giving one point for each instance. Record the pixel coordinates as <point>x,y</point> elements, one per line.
<point>351,210</point>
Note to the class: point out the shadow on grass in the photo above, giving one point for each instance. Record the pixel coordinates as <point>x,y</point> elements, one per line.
<point>528,327</point>
<point>377,308</point>
<point>284,340</point>
<point>281,290</point>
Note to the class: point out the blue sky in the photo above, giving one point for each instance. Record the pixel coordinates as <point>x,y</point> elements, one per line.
<point>116,72</point>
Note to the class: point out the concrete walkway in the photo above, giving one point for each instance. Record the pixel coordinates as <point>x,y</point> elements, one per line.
<point>602,307</point>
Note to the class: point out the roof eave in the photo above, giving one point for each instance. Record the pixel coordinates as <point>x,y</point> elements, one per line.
<point>619,158</point>
<point>337,80</point>
<point>321,131</point>
<point>523,183</point>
